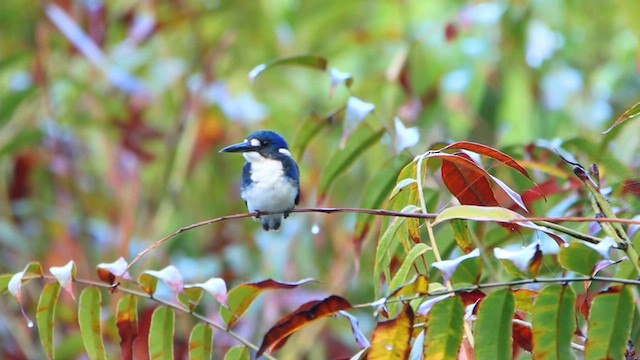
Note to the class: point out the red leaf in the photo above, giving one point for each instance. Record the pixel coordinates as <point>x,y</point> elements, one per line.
<point>471,297</point>
<point>522,334</point>
<point>466,181</point>
<point>489,152</point>
<point>303,316</point>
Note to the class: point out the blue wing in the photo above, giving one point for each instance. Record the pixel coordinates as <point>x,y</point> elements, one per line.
<point>292,172</point>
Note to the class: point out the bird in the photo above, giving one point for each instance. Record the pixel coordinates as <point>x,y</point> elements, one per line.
<point>270,177</point>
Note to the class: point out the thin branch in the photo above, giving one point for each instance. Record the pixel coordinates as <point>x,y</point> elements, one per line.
<point>387,213</point>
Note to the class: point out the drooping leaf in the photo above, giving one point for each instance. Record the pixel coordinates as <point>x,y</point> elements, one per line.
<point>522,334</point>
<point>303,316</point>
<point>357,111</point>
<point>375,194</point>
<point>392,339</point>
<point>553,322</point>
<point>444,329</point>
<point>170,275</point>
<point>192,293</point>
<point>387,244</point>
<point>631,113</point>
<point>470,186</point>
<point>238,353</point>
<point>401,275</point>
<point>65,276</point>
<point>15,283</point>
<point>340,161</point>
<point>311,127</point>
<point>405,137</point>
<point>489,152</point>
<point>361,340</point>
<point>338,77</point>
<point>109,272</point>
<point>609,324</point>
<point>493,329</point>
<point>89,318</point>
<point>524,262</point>
<point>425,308</point>
<point>161,333</point>
<point>485,213</point>
<point>311,61</point>
<point>242,296</point>
<point>578,257</point>
<point>127,324</point>
<point>45,315</point>
<point>466,268</point>
<point>201,342</point>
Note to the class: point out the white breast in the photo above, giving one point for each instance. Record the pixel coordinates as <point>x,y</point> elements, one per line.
<point>270,191</point>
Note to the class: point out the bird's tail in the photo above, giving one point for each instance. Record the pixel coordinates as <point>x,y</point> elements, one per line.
<point>271,222</point>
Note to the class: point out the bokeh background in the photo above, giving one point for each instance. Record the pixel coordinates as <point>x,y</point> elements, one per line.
<point>112,114</point>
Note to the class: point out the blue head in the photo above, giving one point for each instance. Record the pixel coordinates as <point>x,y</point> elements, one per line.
<point>268,144</point>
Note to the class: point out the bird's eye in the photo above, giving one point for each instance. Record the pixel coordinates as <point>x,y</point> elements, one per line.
<point>265,143</point>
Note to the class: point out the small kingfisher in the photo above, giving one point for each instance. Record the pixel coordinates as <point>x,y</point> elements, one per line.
<point>270,178</point>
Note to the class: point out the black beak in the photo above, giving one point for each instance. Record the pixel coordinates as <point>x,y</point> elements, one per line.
<point>241,147</point>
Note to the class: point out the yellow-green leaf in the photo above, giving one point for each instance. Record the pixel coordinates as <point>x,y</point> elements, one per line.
<point>553,322</point>
<point>161,334</point>
<point>45,316</point>
<point>609,324</point>
<point>311,61</point>
<point>392,339</point>
<point>444,329</point>
<point>90,323</point>
<point>238,353</point>
<point>127,323</point>
<point>201,342</point>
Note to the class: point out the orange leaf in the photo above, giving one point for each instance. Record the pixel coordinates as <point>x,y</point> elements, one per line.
<point>392,339</point>
<point>276,337</point>
<point>489,152</point>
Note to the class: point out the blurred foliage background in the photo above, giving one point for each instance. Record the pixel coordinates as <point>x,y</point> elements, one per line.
<point>112,115</point>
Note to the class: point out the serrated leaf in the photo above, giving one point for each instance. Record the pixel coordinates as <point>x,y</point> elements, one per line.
<point>578,257</point>
<point>45,315</point>
<point>523,262</point>
<point>201,342</point>
<point>169,275</point>
<point>109,272</point>
<point>466,268</point>
<point>161,333</point>
<point>609,324</point>
<point>386,247</point>
<point>238,353</point>
<point>65,276</point>
<point>89,318</point>
<point>493,328</point>
<point>310,61</point>
<point>553,322</point>
<point>342,159</point>
<point>127,324</point>
<point>445,328</point>
<point>400,276</point>
<point>303,316</point>
<point>392,339</point>
<point>631,113</point>
<point>242,296</point>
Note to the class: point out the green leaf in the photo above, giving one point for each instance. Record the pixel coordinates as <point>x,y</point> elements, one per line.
<point>445,324</point>
<point>45,315</point>
<point>201,342</point>
<point>484,213</point>
<point>553,322</point>
<point>386,247</point>
<point>4,282</point>
<point>462,235</point>
<point>391,339</point>
<point>609,324</point>
<point>238,353</point>
<point>169,275</point>
<point>578,257</point>
<point>494,326</point>
<point>161,334</point>
<point>340,161</point>
<point>376,192</point>
<point>631,113</point>
<point>401,275</point>
<point>90,326</point>
<point>311,61</point>
<point>310,128</point>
